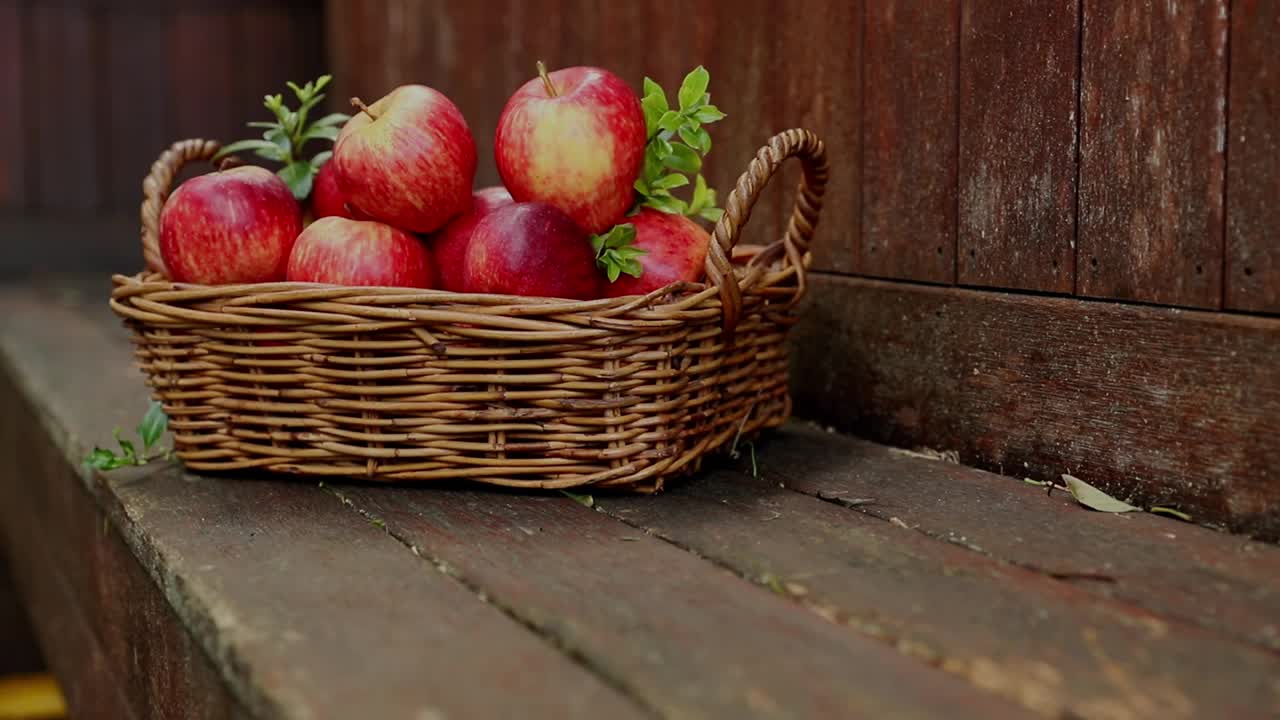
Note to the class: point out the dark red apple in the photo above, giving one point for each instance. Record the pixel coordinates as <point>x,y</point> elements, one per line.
<point>573,138</point>
<point>338,251</point>
<point>449,244</point>
<point>326,196</point>
<point>407,160</point>
<point>675,249</point>
<point>531,249</point>
<point>232,226</point>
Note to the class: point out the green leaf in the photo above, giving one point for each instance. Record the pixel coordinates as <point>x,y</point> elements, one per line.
<point>236,147</point>
<point>297,90</point>
<point>323,81</point>
<point>586,500</point>
<point>153,425</point>
<point>126,446</point>
<point>708,114</point>
<point>696,138</point>
<point>327,133</point>
<point>615,252</point>
<point>683,159</point>
<point>712,213</point>
<point>298,176</point>
<point>261,124</point>
<point>101,459</point>
<point>700,198</point>
<point>654,90</point>
<point>1092,497</point>
<point>663,148</point>
<point>672,205</point>
<point>667,182</point>
<point>1159,510</point>
<point>331,119</point>
<point>670,120</point>
<point>694,87</point>
<point>320,159</point>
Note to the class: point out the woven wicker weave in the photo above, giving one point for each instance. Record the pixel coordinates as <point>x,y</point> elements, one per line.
<point>404,384</point>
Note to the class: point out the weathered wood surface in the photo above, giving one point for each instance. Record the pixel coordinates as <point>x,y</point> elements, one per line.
<point>670,627</point>
<point>13,137</point>
<point>1253,169</point>
<point>1152,158</point>
<point>258,571</point>
<point>1173,408</point>
<point>909,140</point>
<point>1018,80</point>
<point>1176,570</point>
<point>1059,647</point>
<point>99,596</point>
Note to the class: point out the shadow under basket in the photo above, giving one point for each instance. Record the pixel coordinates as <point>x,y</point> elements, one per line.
<point>396,384</point>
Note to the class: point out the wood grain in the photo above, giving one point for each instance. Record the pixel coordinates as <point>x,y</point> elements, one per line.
<point>1018,84</point>
<point>1012,631</point>
<point>61,95</point>
<point>660,620</point>
<point>138,123</point>
<point>257,570</point>
<point>13,128</point>
<point>22,654</point>
<point>1152,151</point>
<point>201,74</point>
<point>909,140</point>
<point>1191,574</point>
<point>1168,407</point>
<point>1253,175</point>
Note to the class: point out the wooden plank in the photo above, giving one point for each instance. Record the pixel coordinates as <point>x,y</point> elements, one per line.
<point>13,126</point>
<point>1253,176</point>
<point>1175,570</point>
<point>137,121</point>
<point>202,87</point>
<point>689,639</point>
<point>1152,151</point>
<point>258,571</point>
<point>1018,89</point>
<point>909,140</point>
<point>50,516</point>
<point>61,95</point>
<point>1009,630</point>
<point>1171,407</point>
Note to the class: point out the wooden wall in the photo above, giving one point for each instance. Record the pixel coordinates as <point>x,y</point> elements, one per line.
<point>1005,165</point>
<point>1059,146</point>
<point>93,90</point>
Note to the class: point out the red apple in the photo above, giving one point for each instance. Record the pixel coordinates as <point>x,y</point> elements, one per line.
<point>675,249</point>
<point>531,249</point>
<point>449,244</point>
<point>338,251</point>
<point>232,226</point>
<point>573,138</point>
<point>407,160</point>
<point>326,196</point>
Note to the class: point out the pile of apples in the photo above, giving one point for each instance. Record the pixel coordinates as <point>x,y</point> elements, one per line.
<point>586,209</point>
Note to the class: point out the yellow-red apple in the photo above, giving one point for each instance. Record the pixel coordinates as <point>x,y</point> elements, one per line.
<point>575,139</point>
<point>407,160</point>
<point>231,226</point>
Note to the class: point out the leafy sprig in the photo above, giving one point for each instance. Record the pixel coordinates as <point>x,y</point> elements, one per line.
<point>677,143</point>
<point>150,430</point>
<point>284,139</point>
<point>615,252</point>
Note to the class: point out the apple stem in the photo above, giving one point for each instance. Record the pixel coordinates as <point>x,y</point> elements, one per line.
<point>546,79</point>
<point>357,102</point>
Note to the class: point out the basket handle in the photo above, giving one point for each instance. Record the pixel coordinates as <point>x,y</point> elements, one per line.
<point>799,143</point>
<point>156,187</point>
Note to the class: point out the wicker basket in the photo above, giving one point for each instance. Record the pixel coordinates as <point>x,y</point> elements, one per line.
<point>403,384</point>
